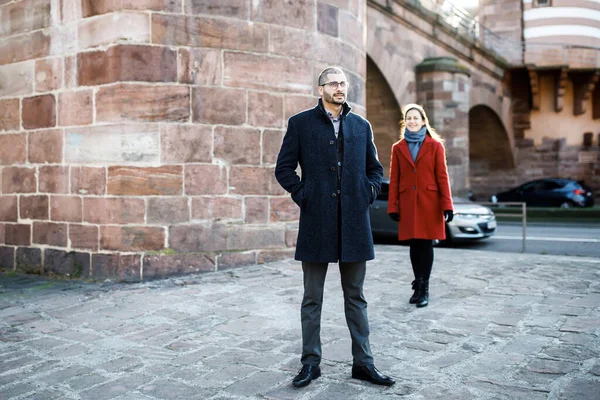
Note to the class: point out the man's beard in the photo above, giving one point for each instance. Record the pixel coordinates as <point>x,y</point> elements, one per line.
<point>331,99</point>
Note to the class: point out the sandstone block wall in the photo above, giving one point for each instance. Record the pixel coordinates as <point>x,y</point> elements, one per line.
<point>505,19</point>
<point>552,158</point>
<point>383,113</point>
<point>444,94</point>
<point>138,138</point>
<point>399,39</point>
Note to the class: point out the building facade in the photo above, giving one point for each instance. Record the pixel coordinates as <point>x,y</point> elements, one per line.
<point>553,77</point>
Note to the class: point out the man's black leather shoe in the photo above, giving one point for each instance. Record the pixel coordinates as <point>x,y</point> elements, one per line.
<point>306,375</point>
<point>369,373</point>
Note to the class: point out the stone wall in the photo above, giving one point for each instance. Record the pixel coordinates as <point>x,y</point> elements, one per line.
<point>548,142</point>
<point>489,145</point>
<point>552,158</point>
<point>383,113</point>
<point>138,138</point>
<point>505,19</point>
<point>499,151</point>
<point>549,122</point>
<point>399,39</point>
<point>443,87</point>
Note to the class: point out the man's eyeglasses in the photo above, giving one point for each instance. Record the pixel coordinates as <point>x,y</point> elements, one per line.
<point>335,85</point>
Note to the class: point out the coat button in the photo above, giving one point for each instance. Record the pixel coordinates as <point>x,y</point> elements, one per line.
<point>414,170</point>
<point>332,169</point>
<point>333,195</point>
<point>331,142</point>
<point>414,188</point>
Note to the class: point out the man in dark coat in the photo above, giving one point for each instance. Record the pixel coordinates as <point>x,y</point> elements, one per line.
<point>341,177</point>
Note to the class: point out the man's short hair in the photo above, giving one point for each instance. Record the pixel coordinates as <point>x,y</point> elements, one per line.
<point>327,71</point>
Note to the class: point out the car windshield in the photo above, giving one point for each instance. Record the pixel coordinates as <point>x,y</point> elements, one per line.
<point>553,185</point>
<point>461,200</point>
<point>529,187</point>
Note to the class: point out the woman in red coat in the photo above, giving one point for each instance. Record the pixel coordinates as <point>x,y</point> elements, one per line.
<point>420,198</point>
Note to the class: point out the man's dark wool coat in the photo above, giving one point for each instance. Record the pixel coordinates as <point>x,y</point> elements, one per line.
<point>310,142</point>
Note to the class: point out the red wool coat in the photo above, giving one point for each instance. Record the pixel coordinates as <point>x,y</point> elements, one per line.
<point>419,191</point>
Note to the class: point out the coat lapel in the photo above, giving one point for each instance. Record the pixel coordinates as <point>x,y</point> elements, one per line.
<point>346,130</point>
<point>425,148</point>
<point>406,152</point>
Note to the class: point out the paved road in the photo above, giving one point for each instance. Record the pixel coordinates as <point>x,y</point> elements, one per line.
<point>544,238</point>
<point>499,326</point>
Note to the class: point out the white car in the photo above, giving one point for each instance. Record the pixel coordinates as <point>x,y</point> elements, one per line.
<point>471,221</point>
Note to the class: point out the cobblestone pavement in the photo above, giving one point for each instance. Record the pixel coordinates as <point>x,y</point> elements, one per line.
<point>499,326</point>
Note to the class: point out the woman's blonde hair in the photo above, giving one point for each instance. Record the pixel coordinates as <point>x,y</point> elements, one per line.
<point>421,111</point>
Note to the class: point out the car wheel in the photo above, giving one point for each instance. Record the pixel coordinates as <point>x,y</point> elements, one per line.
<point>566,204</point>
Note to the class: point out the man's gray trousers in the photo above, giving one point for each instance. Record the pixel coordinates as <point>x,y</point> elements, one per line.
<point>355,307</point>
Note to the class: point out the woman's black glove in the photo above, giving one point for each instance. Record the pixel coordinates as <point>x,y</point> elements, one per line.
<point>394,216</point>
<point>448,215</point>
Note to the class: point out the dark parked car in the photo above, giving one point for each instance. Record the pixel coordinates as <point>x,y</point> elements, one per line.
<point>563,193</point>
<point>471,221</point>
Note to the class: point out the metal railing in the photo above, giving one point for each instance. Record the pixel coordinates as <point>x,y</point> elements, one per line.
<point>515,52</point>
<point>518,206</point>
<point>522,215</point>
<point>463,23</point>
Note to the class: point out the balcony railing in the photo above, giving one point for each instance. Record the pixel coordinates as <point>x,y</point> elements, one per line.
<point>463,23</point>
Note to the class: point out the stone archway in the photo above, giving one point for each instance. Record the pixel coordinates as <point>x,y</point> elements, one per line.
<point>490,151</point>
<point>383,113</point>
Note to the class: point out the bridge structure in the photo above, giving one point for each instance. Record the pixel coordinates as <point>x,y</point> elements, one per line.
<point>489,90</point>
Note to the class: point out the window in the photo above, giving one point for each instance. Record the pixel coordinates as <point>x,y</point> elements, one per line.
<point>542,3</point>
<point>532,187</point>
<point>553,185</point>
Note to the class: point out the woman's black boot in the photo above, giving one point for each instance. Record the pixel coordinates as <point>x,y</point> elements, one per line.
<point>415,296</point>
<point>423,293</point>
